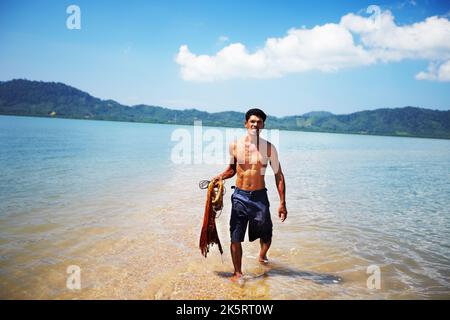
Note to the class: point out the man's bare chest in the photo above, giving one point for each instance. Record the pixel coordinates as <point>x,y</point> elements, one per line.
<point>250,154</point>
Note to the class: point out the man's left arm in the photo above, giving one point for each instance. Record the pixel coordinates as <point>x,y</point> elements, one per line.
<point>279,181</point>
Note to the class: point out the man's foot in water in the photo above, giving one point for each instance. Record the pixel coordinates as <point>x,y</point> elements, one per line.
<point>237,278</point>
<point>263,260</point>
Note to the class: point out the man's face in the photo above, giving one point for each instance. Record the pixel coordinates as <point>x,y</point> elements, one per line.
<point>254,125</point>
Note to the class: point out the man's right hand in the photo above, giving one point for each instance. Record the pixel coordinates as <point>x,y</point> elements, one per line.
<point>282,212</point>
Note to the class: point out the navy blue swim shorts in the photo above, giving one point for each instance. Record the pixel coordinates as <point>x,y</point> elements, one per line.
<point>252,208</point>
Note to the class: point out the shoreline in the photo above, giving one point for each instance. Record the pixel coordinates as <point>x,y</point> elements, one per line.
<point>209,126</point>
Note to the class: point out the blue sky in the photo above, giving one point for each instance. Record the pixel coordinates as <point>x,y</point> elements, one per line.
<point>127,51</point>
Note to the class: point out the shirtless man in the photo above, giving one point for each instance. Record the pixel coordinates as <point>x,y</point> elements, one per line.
<point>249,157</point>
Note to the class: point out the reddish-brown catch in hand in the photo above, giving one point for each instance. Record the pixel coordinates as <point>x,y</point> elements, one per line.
<point>214,203</point>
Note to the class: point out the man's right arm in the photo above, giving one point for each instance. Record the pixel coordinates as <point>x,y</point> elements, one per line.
<point>230,171</point>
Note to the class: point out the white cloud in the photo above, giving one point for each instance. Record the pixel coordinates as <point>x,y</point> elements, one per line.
<point>328,48</point>
<point>354,41</point>
<point>436,72</point>
<point>429,39</point>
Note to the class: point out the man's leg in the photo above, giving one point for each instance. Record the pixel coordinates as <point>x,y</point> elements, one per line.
<point>263,252</point>
<point>236,255</point>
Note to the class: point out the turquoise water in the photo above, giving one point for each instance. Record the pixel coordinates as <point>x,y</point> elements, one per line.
<point>108,196</point>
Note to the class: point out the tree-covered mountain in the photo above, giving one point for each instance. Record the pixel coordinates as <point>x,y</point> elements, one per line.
<point>50,99</point>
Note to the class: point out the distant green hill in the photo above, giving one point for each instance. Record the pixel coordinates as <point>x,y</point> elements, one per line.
<point>50,99</point>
